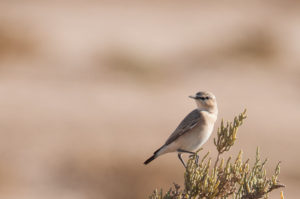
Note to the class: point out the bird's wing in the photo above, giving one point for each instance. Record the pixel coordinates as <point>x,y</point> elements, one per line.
<point>189,122</point>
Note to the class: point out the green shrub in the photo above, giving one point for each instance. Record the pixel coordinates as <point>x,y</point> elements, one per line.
<point>225,178</point>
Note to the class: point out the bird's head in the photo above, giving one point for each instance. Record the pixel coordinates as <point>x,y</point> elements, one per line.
<point>206,101</point>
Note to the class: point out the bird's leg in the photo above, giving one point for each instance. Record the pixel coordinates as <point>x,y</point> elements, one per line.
<point>192,154</point>
<point>184,151</point>
<point>180,158</point>
<point>197,157</point>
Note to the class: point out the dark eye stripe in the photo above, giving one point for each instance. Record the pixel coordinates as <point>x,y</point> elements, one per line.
<point>204,98</point>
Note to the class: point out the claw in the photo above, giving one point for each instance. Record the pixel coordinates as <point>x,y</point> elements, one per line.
<point>197,157</point>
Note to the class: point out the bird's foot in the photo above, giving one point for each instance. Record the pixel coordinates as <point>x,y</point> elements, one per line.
<point>196,159</point>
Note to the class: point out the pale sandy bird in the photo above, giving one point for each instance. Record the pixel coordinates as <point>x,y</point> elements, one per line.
<point>194,130</point>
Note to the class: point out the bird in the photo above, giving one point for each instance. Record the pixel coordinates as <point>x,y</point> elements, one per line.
<point>193,131</point>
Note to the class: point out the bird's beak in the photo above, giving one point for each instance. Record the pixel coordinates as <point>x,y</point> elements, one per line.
<point>192,97</point>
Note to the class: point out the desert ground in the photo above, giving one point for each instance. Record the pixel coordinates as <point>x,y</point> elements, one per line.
<point>90,89</point>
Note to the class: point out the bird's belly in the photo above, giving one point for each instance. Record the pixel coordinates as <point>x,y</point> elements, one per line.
<point>193,140</point>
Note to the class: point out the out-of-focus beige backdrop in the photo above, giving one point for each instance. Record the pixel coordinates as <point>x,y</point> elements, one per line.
<point>89,89</point>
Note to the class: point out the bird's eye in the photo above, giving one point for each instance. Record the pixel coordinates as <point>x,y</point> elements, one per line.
<point>204,98</point>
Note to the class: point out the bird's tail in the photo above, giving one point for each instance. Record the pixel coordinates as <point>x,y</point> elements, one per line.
<point>155,155</point>
<point>150,159</point>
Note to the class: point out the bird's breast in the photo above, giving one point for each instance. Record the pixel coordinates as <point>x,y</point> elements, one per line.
<point>194,139</point>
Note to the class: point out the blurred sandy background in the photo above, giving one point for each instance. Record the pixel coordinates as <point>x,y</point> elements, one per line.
<point>89,89</point>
